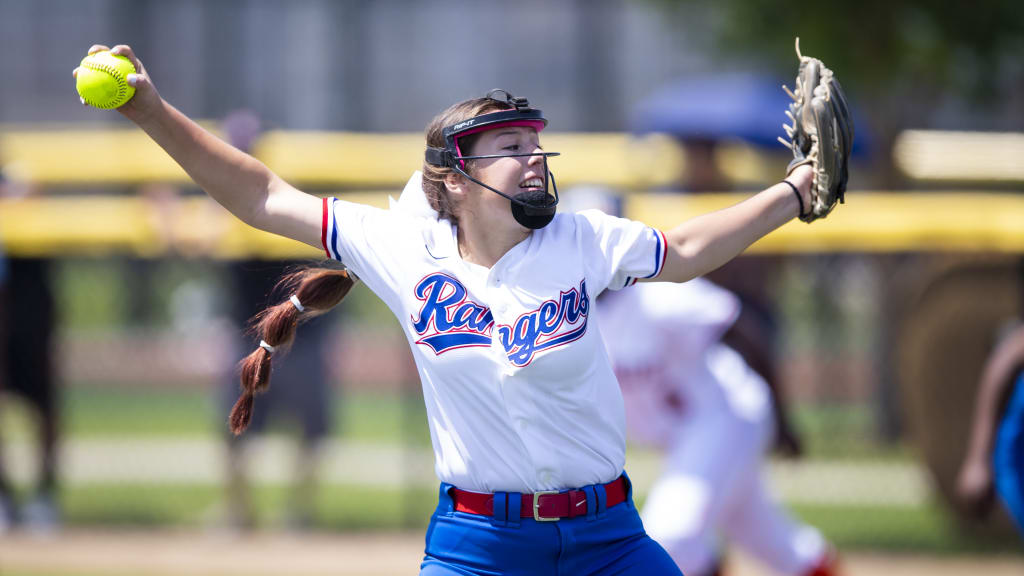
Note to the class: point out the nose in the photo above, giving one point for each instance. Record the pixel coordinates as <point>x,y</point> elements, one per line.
<point>537,158</point>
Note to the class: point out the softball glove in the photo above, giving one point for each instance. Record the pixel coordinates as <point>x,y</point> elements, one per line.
<point>821,134</point>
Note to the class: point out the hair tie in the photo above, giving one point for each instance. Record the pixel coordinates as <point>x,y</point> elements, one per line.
<point>799,198</point>
<point>298,305</point>
<point>270,349</point>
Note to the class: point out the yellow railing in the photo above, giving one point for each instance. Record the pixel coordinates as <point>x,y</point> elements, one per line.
<point>61,156</point>
<point>68,156</point>
<point>869,222</point>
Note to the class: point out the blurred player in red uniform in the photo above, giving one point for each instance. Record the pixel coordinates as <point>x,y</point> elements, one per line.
<point>713,416</point>
<point>689,392</point>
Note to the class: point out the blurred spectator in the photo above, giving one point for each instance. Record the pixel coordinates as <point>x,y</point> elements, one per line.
<point>167,208</point>
<point>27,318</point>
<point>6,492</point>
<point>302,395</point>
<point>702,171</point>
<point>994,465</point>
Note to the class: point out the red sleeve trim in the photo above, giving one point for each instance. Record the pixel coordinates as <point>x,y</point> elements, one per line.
<point>323,230</point>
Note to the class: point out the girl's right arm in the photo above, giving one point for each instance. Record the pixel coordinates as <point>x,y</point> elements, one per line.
<point>236,180</point>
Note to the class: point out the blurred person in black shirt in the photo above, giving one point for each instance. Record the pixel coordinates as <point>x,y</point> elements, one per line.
<point>27,319</point>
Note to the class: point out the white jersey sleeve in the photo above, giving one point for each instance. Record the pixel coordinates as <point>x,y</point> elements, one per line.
<point>371,242</point>
<point>617,251</point>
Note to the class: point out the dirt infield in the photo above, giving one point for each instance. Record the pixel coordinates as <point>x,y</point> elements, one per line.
<point>81,553</point>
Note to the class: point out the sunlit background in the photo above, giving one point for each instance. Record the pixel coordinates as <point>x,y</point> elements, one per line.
<point>136,287</point>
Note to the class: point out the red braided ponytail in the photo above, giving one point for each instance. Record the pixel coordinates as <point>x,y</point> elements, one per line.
<point>318,290</point>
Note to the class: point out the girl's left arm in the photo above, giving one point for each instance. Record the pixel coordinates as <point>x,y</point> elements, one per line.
<point>706,242</point>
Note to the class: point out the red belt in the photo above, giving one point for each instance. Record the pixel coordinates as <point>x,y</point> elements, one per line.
<point>541,506</point>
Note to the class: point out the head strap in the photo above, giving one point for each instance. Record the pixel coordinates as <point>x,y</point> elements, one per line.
<point>519,103</point>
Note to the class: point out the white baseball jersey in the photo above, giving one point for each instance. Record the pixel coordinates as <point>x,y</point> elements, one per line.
<point>663,341</point>
<point>698,399</point>
<point>519,392</point>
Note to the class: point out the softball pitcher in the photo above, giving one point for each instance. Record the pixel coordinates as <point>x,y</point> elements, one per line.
<point>493,290</point>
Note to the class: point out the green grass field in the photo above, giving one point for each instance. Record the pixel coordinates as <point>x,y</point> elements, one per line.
<point>92,412</point>
<point>926,529</point>
<point>98,412</point>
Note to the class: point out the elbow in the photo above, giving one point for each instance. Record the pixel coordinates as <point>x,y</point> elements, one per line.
<point>256,212</point>
<point>690,251</point>
<point>690,261</point>
<point>253,215</point>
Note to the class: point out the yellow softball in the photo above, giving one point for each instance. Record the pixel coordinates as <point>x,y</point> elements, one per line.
<point>102,80</point>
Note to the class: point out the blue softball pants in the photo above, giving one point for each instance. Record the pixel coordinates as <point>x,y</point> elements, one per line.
<point>605,541</point>
<point>1008,457</point>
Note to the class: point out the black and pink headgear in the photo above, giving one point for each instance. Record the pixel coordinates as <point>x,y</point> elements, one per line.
<point>533,209</point>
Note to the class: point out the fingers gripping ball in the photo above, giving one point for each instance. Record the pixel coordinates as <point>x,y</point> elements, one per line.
<point>102,80</point>
<point>821,134</point>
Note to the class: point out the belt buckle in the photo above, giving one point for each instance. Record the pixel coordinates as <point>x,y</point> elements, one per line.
<point>536,506</point>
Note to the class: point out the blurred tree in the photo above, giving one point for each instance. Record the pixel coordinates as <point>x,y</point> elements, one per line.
<point>897,58</point>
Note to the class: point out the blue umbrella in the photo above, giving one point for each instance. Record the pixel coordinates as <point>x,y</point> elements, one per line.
<point>747,106</point>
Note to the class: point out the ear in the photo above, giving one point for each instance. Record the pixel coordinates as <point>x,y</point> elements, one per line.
<point>455,183</point>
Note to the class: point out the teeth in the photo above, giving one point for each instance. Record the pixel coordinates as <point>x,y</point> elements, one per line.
<point>532,183</point>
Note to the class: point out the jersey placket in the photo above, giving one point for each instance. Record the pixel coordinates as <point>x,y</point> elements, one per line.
<point>518,394</point>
